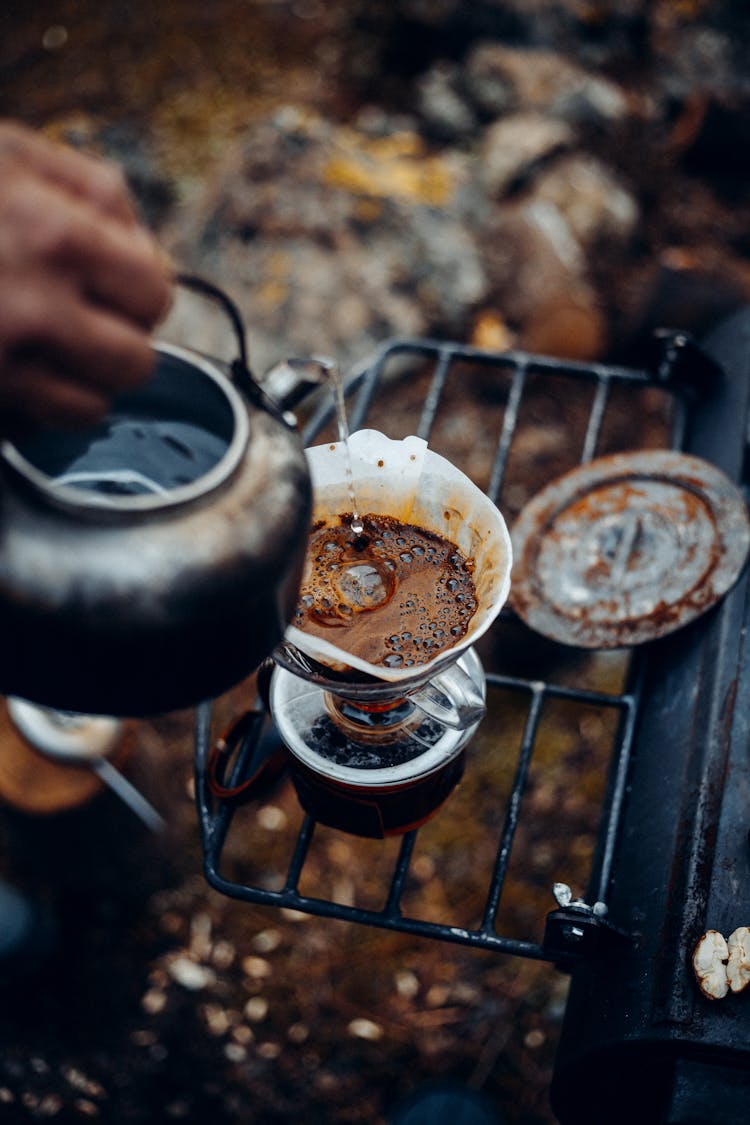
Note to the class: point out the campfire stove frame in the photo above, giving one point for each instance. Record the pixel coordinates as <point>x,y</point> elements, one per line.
<point>670,824</point>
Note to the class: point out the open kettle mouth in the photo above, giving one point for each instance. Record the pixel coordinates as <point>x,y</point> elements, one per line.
<point>171,441</point>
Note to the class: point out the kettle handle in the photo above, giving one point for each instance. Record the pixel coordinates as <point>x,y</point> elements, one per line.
<point>305,374</point>
<point>244,731</point>
<point>239,369</point>
<point>208,289</point>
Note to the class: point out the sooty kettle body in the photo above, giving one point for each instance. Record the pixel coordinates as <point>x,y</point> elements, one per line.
<point>153,561</point>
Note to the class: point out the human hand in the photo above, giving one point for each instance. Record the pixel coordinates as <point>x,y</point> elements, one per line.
<point>82,283</point>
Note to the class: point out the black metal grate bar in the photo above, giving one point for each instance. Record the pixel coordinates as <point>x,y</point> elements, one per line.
<point>630,706</point>
<point>510,422</point>
<point>442,367</point>
<point>365,389</point>
<point>596,418</point>
<point>514,806</point>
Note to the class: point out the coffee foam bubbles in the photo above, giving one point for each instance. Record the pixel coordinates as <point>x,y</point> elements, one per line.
<point>397,595</point>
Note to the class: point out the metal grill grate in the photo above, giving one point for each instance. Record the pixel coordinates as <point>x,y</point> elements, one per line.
<point>513,399</point>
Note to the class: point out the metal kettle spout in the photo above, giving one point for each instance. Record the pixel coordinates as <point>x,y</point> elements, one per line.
<point>290,381</point>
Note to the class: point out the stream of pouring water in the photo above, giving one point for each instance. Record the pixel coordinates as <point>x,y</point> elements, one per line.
<point>284,383</point>
<point>334,374</point>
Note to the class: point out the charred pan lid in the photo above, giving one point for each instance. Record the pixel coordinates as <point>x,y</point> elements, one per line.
<point>628,548</point>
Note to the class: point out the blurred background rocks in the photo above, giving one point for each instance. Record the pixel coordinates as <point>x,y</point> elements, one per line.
<point>556,176</point>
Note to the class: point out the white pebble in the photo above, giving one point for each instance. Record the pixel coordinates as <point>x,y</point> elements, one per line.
<point>217,1020</point>
<point>256,1009</point>
<point>256,967</point>
<point>272,818</point>
<point>266,941</point>
<point>223,954</point>
<point>190,975</point>
<point>153,1001</point>
<point>407,985</point>
<point>534,1038</point>
<point>365,1029</point>
<point>235,1052</point>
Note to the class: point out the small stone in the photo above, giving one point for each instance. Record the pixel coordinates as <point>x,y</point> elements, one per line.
<point>500,79</point>
<point>153,1001</point>
<point>256,1009</point>
<point>55,37</point>
<point>344,890</point>
<point>50,1105</point>
<point>267,940</point>
<point>80,1081</point>
<point>269,1050</point>
<point>534,1038</point>
<point>540,272</point>
<point>464,993</point>
<point>223,954</point>
<point>256,967</point>
<point>235,1052</point>
<point>513,146</point>
<point>217,1020</point>
<point>191,976</point>
<point>272,818</point>
<point>200,936</point>
<point>298,1033</point>
<point>423,868</point>
<point>407,984</point>
<point>444,109</point>
<point>339,852</point>
<point>170,922</point>
<point>437,995</point>
<point>365,1029</point>
<point>86,1107</point>
<point>489,332</point>
<point>598,209</point>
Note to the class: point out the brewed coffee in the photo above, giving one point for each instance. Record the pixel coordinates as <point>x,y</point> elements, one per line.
<point>341,746</point>
<point>396,595</point>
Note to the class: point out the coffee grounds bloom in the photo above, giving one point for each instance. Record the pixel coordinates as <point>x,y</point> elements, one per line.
<point>396,596</point>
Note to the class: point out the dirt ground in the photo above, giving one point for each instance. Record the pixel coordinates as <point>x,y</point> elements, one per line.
<point>164,1000</point>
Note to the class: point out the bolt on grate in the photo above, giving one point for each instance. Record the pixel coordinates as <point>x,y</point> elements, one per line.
<point>425,386</point>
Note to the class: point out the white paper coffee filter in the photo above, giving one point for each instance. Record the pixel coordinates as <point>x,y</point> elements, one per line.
<point>406,480</point>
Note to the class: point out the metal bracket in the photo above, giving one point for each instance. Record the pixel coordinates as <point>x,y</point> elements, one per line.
<point>577,929</point>
<point>678,362</point>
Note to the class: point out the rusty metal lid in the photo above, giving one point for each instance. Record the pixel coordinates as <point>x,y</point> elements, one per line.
<point>627,548</point>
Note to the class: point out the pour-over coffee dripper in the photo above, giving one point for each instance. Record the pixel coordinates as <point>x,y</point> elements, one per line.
<point>376,749</point>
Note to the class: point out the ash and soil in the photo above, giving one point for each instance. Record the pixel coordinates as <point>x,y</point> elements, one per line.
<point>562,177</point>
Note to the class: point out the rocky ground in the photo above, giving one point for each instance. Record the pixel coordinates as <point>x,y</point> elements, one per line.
<point>560,177</point>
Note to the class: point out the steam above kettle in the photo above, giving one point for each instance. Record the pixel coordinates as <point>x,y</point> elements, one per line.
<point>153,561</point>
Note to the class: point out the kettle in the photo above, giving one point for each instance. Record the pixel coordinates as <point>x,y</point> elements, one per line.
<point>153,561</point>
